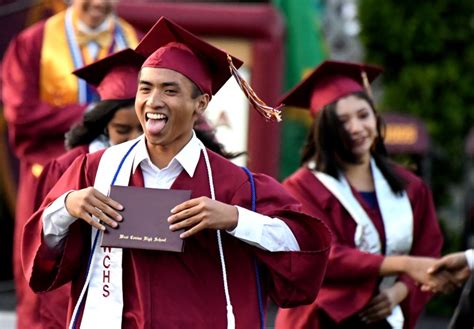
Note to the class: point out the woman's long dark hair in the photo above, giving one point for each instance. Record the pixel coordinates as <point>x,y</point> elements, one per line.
<point>95,122</point>
<point>329,145</point>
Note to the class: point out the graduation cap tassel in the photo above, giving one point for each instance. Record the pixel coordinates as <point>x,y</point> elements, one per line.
<point>365,81</point>
<point>268,112</point>
<point>230,318</point>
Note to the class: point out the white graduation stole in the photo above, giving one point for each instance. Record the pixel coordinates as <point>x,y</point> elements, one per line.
<point>397,218</point>
<point>103,286</point>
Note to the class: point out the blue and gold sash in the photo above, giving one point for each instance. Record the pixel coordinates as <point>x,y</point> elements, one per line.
<point>60,55</point>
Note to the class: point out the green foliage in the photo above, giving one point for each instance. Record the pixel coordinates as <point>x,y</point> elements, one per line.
<point>427,50</point>
<point>304,49</point>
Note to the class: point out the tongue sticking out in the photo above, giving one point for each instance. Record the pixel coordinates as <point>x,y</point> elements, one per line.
<point>155,126</point>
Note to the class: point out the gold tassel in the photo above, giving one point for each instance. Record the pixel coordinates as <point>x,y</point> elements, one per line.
<point>268,112</point>
<point>366,83</point>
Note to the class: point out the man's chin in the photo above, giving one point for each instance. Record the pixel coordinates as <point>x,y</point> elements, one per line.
<point>153,139</point>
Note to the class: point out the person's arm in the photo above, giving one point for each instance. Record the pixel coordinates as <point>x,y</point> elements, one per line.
<point>381,306</point>
<point>291,278</point>
<point>264,232</point>
<point>56,221</point>
<point>72,205</point>
<point>271,234</point>
<point>415,267</point>
<point>427,243</point>
<point>459,264</point>
<point>49,266</point>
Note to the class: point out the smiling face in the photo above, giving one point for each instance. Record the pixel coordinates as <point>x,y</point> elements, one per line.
<point>124,126</point>
<point>166,108</point>
<point>360,122</point>
<point>93,12</point>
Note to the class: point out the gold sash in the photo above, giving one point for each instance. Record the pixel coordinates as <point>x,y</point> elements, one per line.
<point>57,86</point>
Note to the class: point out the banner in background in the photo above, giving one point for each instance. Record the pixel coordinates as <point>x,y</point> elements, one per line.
<point>304,50</point>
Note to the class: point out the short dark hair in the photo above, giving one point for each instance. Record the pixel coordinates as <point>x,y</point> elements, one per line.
<point>196,92</point>
<point>95,121</point>
<point>328,144</point>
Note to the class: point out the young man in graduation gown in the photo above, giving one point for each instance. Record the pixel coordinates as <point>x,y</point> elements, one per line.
<point>42,99</point>
<point>213,283</point>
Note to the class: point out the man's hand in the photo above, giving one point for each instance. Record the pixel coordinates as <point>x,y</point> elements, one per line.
<point>456,265</point>
<point>202,213</point>
<point>417,268</point>
<point>89,202</point>
<point>381,306</point>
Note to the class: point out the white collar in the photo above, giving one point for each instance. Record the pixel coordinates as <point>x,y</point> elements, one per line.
<point>99,143</point>
<point>188,157</point>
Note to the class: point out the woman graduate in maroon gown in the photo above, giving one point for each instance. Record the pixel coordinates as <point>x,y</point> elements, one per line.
<point>376,210</point>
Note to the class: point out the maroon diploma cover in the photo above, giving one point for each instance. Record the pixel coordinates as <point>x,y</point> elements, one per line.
<point>144,224</point>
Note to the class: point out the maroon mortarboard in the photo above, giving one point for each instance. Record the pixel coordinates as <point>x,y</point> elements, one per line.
<point>115,76</point>
<point>168,45</point>
<point>330,81</point>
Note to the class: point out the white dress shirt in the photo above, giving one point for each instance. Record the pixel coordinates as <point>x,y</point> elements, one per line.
<point>470,258</point>
<point>265,232</point>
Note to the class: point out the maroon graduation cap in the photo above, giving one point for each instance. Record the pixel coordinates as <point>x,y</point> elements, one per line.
<point>115,76</point>
<point>168,45</point>
<point>330,81</point>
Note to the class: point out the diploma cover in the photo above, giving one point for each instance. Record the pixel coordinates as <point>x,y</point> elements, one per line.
<point>145,214</point>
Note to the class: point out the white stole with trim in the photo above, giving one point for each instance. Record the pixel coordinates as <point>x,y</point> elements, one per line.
<point>104,295</point>
<point>397,218</point>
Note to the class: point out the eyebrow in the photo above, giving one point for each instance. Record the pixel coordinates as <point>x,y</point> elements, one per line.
<point>144,82</point>
<point>163,84</point>
<point>170,84</point>
<point>362,109</point>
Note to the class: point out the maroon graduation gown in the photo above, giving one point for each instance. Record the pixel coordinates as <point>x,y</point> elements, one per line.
<point>185,290</point>
<point>352,276</point>
<point>53,170</point>
<point>50,309</point>
<point>36,132</point>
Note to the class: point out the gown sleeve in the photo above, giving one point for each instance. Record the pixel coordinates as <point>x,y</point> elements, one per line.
<point>346,264</point>
<point>47,269</point>
<point>295,277</point>
<point>52,171</point>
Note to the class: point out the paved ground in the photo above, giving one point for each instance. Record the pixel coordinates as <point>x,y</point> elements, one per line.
<point>8,317</point>
<point>7,305</point>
